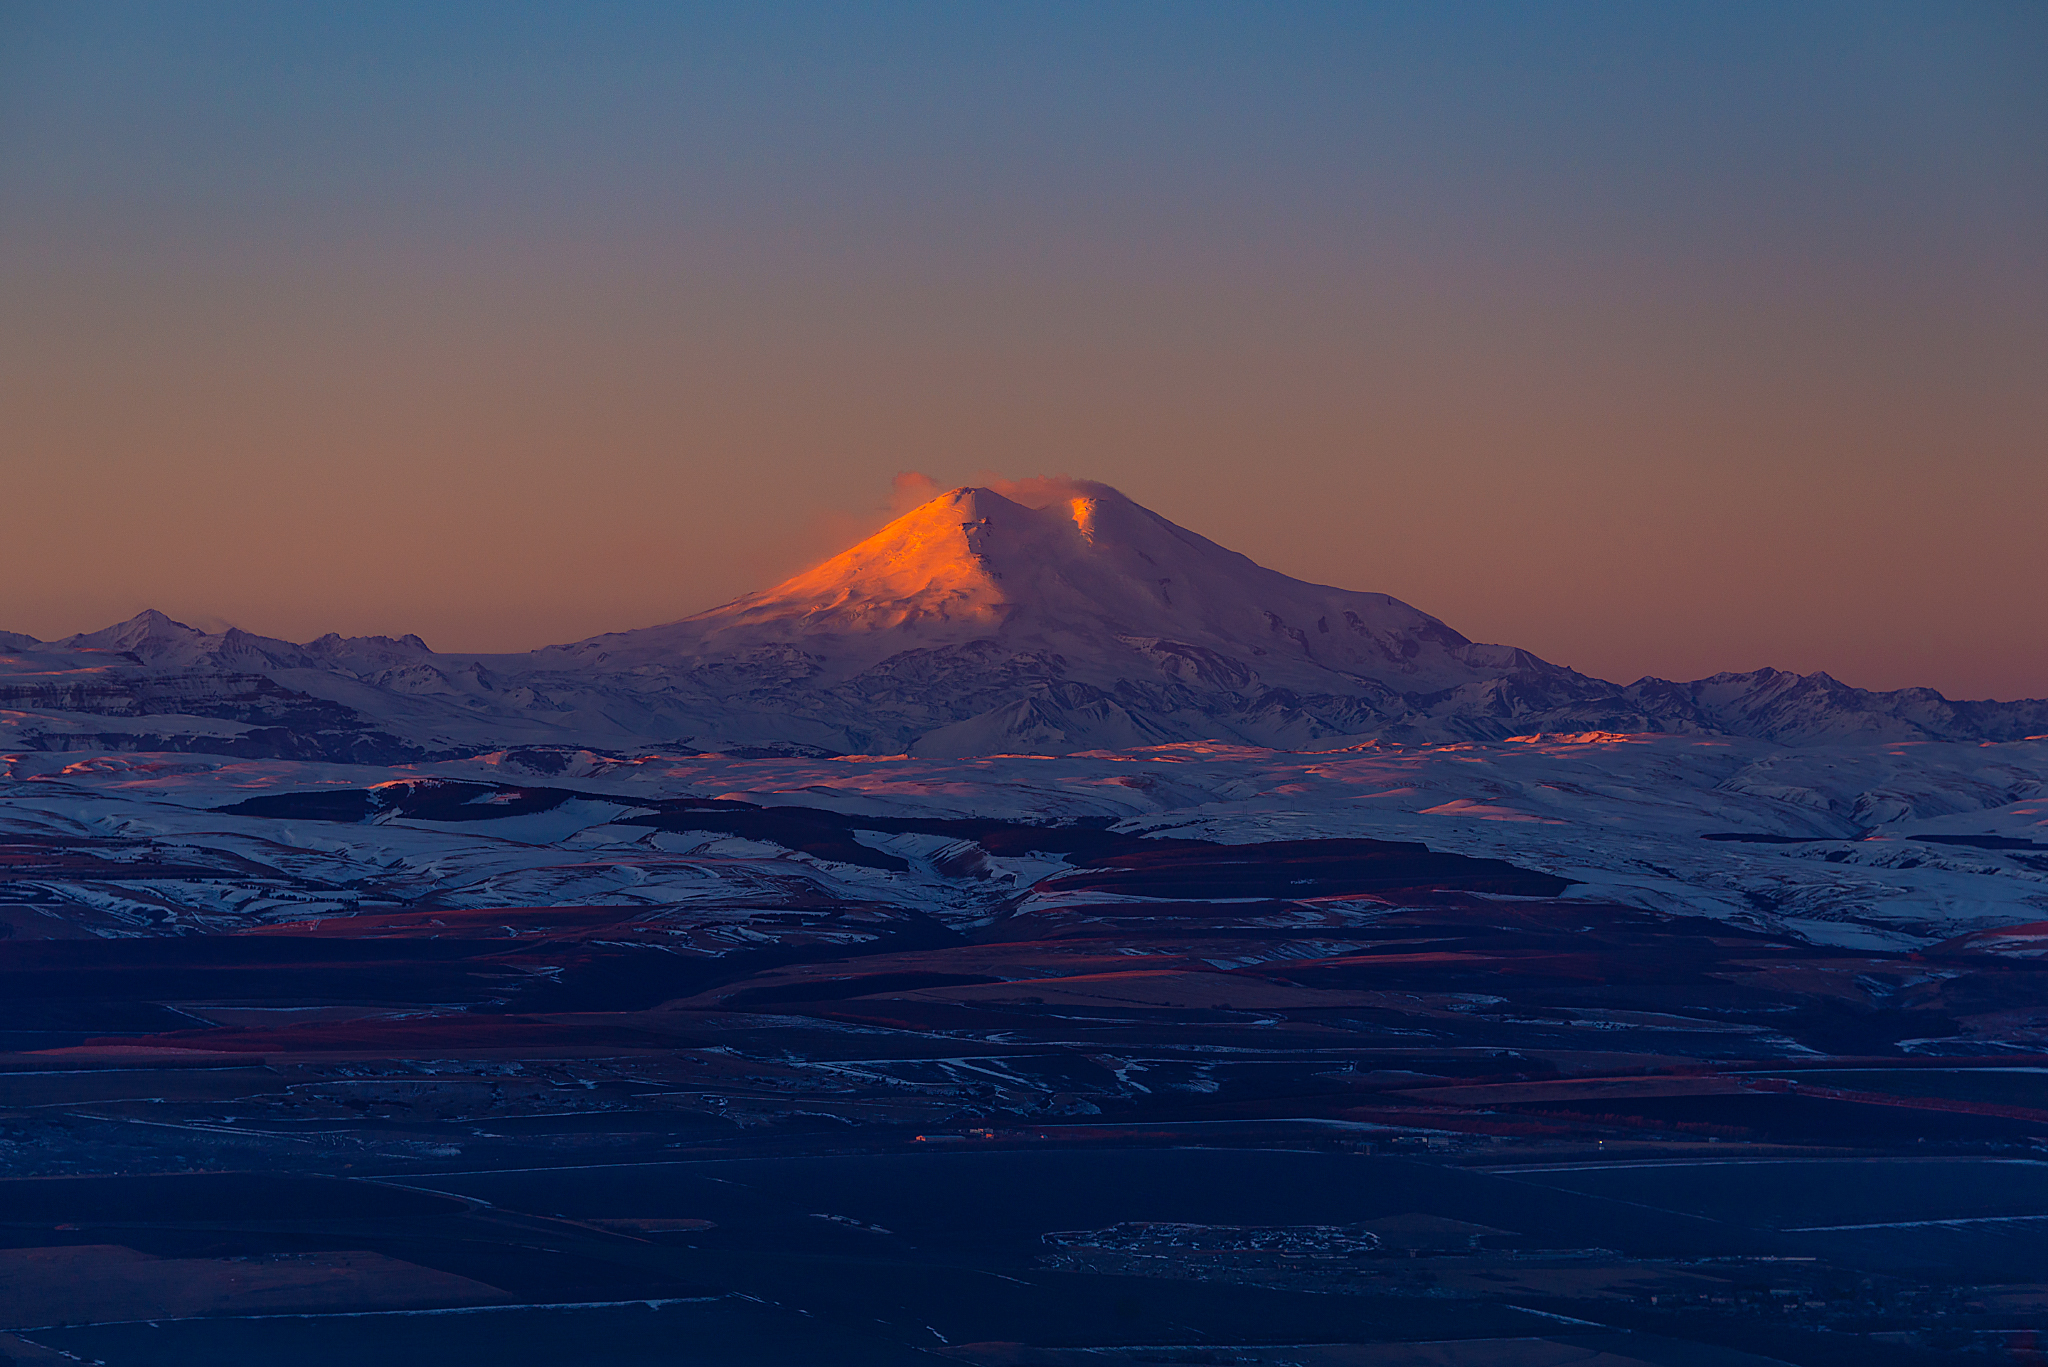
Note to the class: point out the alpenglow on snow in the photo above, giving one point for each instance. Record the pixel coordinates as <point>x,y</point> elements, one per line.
<point>974,624</point>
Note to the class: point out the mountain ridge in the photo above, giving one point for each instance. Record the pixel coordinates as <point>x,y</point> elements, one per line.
<point>973,624</point>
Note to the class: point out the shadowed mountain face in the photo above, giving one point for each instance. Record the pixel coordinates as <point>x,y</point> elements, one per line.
<point>1115,590</point>
<point>971,625</point>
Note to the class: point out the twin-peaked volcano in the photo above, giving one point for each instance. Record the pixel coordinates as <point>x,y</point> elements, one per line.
<point>1086,576</point>
<point>977,623</point>
<point>974,624</point>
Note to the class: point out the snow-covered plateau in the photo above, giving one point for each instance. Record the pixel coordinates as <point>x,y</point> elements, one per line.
<point>1867,847</point>
<point>1086,661</point>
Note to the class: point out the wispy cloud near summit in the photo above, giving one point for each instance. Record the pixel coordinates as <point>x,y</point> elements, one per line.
<point>913,488</point>
<point>1659,338</point>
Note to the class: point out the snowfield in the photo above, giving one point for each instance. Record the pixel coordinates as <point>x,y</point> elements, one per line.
<point>1865,846</point>
<point>1086,661</point>
<point>972,625</point>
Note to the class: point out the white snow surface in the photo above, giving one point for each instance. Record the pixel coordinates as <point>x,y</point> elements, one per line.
<point>1623,815</point>
<point>971,625</point>
<point>1092,578</point>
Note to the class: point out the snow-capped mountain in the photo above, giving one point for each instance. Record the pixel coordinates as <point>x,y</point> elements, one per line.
<point>972,625</point>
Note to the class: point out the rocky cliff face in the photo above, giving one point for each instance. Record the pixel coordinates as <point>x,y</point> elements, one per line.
<point>971,625</point>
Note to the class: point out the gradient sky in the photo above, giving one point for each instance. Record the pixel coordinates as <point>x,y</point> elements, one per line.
<point>1654,338</point>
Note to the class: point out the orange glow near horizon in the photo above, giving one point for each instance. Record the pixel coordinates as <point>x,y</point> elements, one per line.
<point>445,494</point>
<point>1654,341</point>
<point>492,492</point>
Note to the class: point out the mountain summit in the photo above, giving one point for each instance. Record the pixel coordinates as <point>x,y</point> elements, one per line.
<point>974,624</point>
<point>1089,576</point>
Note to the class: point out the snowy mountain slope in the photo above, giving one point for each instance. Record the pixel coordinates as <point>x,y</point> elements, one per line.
<point>975,624</point>
<point>84,700</point>
<point>971,625</point>
<point>1804,708</point>
<point>1862,847</point>
<point>1093,579</point>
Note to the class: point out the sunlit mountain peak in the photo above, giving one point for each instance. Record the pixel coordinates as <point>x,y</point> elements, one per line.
<point>1086,575</point>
